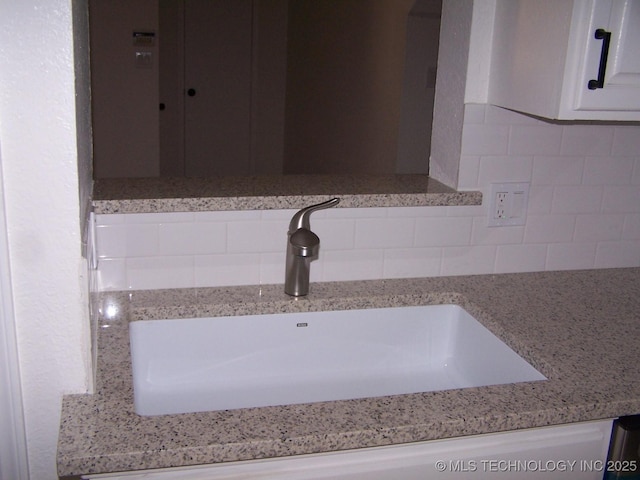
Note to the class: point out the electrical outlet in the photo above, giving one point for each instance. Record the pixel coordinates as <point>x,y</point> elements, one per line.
<point>500,210</point>
<point>508,204</point>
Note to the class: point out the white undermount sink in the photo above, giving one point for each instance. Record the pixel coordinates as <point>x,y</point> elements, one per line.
<point>204,364</point>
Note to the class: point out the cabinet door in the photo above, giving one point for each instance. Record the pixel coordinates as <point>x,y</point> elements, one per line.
<point>545,53</point>
<point>621,87</point>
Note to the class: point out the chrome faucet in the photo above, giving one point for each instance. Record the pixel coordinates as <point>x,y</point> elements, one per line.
<point>303,246</point>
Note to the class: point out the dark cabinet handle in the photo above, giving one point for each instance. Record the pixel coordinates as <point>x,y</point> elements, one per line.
<point>162,106</point>
<point>191,92</point>
<point>604,53</point>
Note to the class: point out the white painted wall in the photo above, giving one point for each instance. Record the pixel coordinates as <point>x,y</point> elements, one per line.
<point>448,109</point>
<point>40,167</point>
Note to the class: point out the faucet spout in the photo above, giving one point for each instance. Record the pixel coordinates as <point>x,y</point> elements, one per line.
<point>303,246</point>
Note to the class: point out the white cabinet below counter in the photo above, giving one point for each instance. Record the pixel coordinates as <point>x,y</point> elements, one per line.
<point>576,451</point>
<point>547,59</point>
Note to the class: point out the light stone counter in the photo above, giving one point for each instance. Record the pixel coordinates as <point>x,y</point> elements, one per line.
<point>152,195</point>
<point>580,329</point>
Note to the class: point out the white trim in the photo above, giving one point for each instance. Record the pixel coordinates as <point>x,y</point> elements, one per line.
<point>13,444</point>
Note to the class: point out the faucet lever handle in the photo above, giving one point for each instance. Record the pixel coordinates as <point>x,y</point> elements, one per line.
<point>301,218</point>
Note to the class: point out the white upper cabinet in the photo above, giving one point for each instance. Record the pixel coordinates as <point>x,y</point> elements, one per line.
<point>567,59</point>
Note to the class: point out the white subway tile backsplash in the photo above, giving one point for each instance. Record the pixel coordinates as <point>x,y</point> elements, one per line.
<point>469,172</point>
<point>590,140</point>
<point>608,171</point>
<point>208,238</point>
<point>535,140</point>
<point>277,215</point>
<point>221,270</point>
<point>243,237</point>
<point>265,236</point>
<point>504,169</point>
<point>335,234</point>
<point>540,199</point>
<point>155,218</point>
<point>440,232</point>
<point>631,228</point>
<point>556,170</point>
<point>412,262</point>
<point>626,141</point>
<point>484,235</point>
<point>103,219</point>
<point>112,274</point>
<point>520,258</point>
<point>415,212</point>
<point>142,239</point>
<point>549,228</point>
<point>464,211</point>
<point>272,267</point>
<point>192,238</point>
<point>483,139</point>
<point>571,256</point>
<point>111,240</point>
<point>384,232</point>
<point>625,199</point>
<point>599,227</point>
<point>577,199</point>
<point>635,176</point>
<point>160,272</point>
<point>229,216</point>
<point>357,264</point>
<point>352,213</point>
<point>273,237</point>
<point>468,260</point>
<point>618,254</point>
<point>583,212</point>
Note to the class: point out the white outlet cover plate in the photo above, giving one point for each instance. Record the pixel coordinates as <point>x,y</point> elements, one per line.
<point>515,208</point>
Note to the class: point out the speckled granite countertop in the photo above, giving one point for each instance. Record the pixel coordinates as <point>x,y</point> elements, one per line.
<point>580,329</point>
<point>148,195</point>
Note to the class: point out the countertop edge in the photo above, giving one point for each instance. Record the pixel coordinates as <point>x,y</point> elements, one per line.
<point>203,204</point>
<point>160,195</point>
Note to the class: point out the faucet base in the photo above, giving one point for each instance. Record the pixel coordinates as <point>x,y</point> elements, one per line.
<point>297,276</point>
